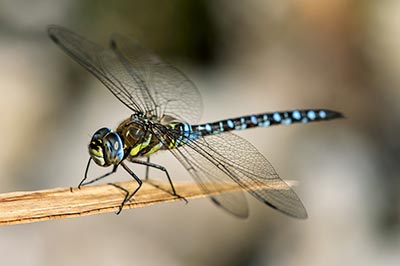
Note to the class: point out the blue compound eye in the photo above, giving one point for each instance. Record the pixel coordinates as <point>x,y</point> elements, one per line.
<point>106,147</point>
<point>101,133</point>
<point>113,148</point>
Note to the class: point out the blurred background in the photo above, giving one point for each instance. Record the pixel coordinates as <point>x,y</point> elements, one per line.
<point>245,57</point>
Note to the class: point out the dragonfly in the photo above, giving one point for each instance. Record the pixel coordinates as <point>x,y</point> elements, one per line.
<point>166,108</point>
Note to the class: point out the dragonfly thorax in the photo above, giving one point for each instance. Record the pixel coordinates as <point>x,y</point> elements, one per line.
<point>138,138</point>
<point>106,147</point>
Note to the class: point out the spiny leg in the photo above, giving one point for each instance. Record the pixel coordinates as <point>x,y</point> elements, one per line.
<point>162,168</point>
<point>83,183</point>
<point>127,196</point>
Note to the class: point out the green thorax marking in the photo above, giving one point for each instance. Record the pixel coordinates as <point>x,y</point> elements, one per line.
<point>139,140</point>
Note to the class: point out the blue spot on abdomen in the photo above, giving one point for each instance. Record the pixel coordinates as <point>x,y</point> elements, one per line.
<point>296,115</point>
<point>322,114</point>
<point>311,115</point>
<point>277,117</point>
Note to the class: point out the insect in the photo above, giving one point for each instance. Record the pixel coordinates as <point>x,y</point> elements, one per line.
<point>166,108</point>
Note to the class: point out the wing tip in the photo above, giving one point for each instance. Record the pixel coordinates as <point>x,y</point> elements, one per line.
<point>299,213</point>
<point>303,215</point>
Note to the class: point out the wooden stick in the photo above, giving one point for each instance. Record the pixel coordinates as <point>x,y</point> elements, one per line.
<point>56,203</point>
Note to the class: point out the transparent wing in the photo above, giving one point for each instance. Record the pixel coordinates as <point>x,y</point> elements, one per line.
<point>87,54</point>
<point>137,77</point>
<point>207,174</point>
<point>168,90</point>
<point>217,158</point>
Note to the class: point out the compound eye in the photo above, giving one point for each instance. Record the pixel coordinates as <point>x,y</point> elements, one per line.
<point>113,141</point>
<point>115,151</point>
<point>101,133</point>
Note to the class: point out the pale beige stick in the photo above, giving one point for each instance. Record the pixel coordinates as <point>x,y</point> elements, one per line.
<point>41,205</point>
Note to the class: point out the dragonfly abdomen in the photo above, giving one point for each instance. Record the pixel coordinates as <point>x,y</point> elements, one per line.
<point>266,120</point>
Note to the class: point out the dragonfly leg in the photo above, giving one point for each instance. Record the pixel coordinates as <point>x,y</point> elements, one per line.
<point>127,195</point>
<point>83,183</point>
<point>162,168</point>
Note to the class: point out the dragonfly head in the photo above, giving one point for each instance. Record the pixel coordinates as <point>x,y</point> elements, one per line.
<point>106,147</point>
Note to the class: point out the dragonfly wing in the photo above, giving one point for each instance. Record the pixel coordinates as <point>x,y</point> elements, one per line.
<point>90,55</point>
<point>131,87</point>
<point>170,91</point>
<point>81,50</point>
<point>225,156</point>
<point>207,175</point>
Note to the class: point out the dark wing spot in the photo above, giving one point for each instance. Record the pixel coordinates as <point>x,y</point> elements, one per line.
<point>54,38</point>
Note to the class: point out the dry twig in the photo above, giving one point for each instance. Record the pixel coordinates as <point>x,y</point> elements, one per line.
<point>41,205</point>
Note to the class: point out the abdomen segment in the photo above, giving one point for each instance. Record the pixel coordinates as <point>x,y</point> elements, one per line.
<point>266,120</point>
